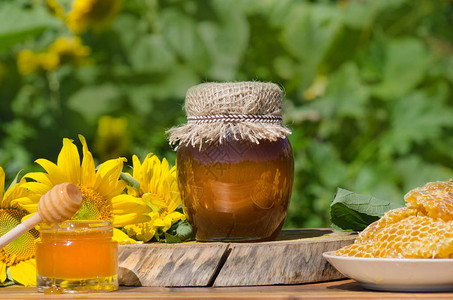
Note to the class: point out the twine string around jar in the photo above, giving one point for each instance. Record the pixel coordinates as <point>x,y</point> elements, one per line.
<point>234,118</point>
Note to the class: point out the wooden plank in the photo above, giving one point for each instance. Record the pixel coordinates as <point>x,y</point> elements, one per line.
<point>342,289</point>
<point>189,264</point>
<point>296,257</point>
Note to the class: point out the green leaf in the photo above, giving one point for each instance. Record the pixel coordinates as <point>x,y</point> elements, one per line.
<point>130,181</point>
<point>9,277</point>
<point>172,85</point>
<point>345,96</point>
<point>377,179</point>
<point>410,166</point>
<point>151,53</point>
<point>184,230</point>
<point>309,32</point>
<point>139,99</point>
<point>352,211</point>
<point>358,14</point>
<point>17,24</point>
<point>94,101</point>
<point>416,119</point>
<point>226,41</point>
<point>406,62</point>
<point>183,233</point>
<point>7,283</point>
<point>346,39</point>
<point>181,34</point>
<point>327,164</point>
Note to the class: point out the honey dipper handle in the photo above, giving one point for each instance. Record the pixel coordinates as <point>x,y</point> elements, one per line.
<point>19,230</point>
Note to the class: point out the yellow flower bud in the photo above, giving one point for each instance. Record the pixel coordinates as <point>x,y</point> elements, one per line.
<point>27,62</point>
<point>95,14</point>
<point>70,50</point>
<point>56,8</point>
<point>49,61</point>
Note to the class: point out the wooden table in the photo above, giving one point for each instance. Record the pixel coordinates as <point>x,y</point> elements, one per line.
<point>341,289</point>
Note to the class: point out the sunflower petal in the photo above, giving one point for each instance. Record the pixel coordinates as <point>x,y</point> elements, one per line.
<point>30,204</point>
<point>117,187</point>
<point>37,187</point>
<point>126,203</point>
<point>176,216</point>
<point>136,166</point>
<point>2,183</point>
<point>24,272</point>
<point>153,200</point>
<point>165,165</point>
<point>89,177</point>
<point>55,174</point>
<point>2,271</point>
<point>112,167</point>
<point>14,192</point>
<point>31,208</point>
<point>110,172</point>
<point>127,219</point>
<point>159,223</point>
<point>142,232</point>
<point>69,161</point>
<point>122,238</point>
<point>40,177</point>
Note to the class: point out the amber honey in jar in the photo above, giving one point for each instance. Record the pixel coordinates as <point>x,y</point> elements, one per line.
<point>77,256</point>
<point>235,163</point>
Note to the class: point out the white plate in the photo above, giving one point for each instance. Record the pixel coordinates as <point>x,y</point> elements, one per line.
<point>396,274</point>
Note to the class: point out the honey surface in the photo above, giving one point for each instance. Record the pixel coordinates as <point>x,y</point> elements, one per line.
<point>76,255</point>
<point>236,191</point>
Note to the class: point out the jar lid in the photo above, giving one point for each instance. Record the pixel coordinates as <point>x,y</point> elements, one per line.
<point>240,110</point>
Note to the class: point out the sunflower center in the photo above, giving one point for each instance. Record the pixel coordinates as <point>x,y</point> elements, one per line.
<point>22,248</point>
<point>94,206</point>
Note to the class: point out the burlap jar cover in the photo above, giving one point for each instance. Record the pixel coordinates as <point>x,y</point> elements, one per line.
<point>250,111</point>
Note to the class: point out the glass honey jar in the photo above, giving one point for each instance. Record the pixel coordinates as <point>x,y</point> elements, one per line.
<point>77,257</point>
<point>235,163</point>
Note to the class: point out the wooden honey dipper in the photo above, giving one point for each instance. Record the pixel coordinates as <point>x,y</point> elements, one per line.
<point>57,205</point>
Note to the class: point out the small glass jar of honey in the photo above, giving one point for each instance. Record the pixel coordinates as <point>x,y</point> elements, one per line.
<point>77,257</point>
<point>235,163</point>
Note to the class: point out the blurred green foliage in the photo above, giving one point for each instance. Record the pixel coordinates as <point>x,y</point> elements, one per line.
<point>369,86</point>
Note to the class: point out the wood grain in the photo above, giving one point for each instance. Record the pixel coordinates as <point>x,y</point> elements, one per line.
<point>190,264</point>
<point>295,257</point>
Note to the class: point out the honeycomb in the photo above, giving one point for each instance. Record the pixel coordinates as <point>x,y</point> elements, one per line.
<point>390,217</point>
<point>435,199</point>
<point>422,229</point>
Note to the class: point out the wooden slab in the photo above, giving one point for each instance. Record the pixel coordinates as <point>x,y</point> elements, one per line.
<point>189,264</point>
<point>295,257</point>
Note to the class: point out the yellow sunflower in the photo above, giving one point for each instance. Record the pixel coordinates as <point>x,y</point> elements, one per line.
<point>101,189</point>
<point>64,50</point>
<point>55,8</point>
<point>158,188</point>
<point>28,62</point>
<point>94,14</point>
<point>17,259</point>
<point>70,50</point>
<point>113,137</point>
